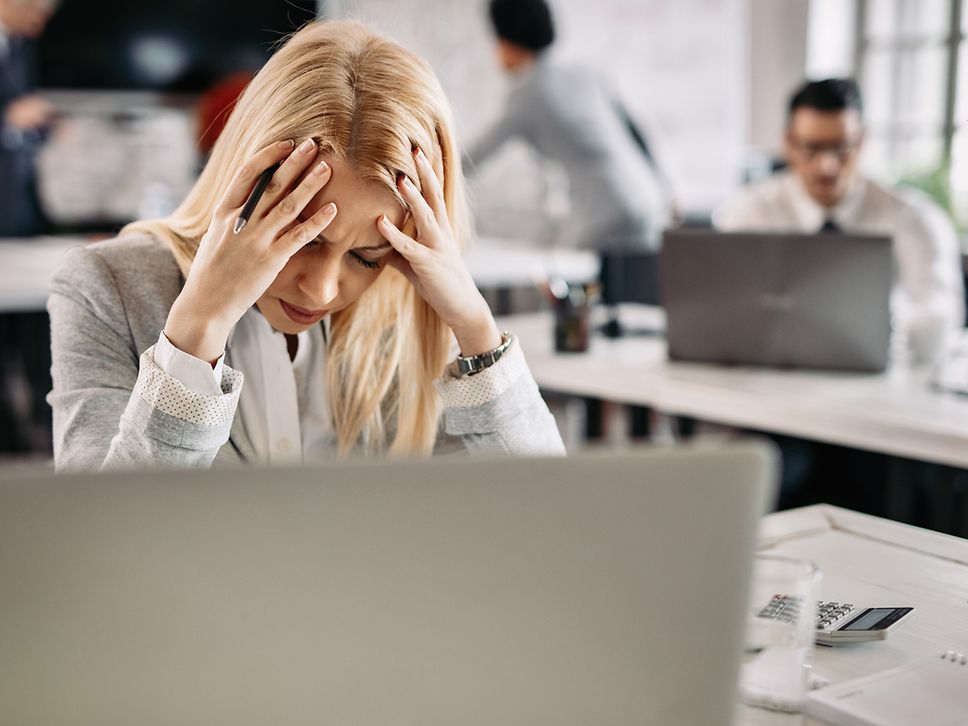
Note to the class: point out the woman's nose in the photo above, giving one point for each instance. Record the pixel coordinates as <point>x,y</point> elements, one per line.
<point>321,281</point>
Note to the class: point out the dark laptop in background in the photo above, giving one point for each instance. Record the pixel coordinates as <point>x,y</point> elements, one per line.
<point>784,300</point>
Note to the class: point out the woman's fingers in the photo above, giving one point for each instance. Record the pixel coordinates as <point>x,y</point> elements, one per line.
<point>305,232</point>
<point>411,250</point>
<point>433,192</point>
<point>285,177</point>
<point>423,215</point>
<point>290,205</point>
<point>245,179</point>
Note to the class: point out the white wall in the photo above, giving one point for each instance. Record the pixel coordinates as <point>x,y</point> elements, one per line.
<point>777,62</point>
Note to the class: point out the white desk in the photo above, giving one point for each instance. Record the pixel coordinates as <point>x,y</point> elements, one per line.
<point>893,413</point>
<point>26,266</point>
<point>864,558</point>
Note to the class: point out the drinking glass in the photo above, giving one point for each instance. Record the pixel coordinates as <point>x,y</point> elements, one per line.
<point>780,631</point>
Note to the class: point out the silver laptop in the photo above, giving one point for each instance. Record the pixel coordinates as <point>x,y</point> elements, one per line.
<point>605,590</point>
<point>785,300</point>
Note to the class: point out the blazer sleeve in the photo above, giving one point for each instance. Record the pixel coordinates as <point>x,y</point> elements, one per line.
<point>113,406</point>
<point>497,411</point>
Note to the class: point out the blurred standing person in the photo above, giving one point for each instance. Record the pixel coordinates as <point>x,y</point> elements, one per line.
<point>619,195</point>
<point>25,116</point>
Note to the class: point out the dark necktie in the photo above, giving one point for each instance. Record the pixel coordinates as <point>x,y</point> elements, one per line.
<point>830,227</point>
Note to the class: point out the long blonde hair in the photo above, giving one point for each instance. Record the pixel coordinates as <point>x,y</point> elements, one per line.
<point>366,100</point>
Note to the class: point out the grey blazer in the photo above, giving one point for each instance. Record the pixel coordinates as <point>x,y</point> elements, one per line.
<point>108,303</point>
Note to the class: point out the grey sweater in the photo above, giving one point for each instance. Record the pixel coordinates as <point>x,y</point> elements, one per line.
<point>567,115</point>
<point>114,407</point>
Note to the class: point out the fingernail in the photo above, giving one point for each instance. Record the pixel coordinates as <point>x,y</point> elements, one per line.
<point>307,145</point>
<point>330,208</point>
<point>288,144</point>
<point>420,154</point>
<point>410,183</point>
<point>320,168</point>
<point>383,220</point>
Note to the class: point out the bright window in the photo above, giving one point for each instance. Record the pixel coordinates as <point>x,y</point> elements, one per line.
<point>912,62</point>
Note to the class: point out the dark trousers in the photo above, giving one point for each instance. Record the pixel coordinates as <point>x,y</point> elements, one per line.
<point>25,420</point>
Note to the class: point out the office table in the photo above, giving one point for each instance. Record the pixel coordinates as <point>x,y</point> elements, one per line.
<point>894,413</point>
<point>26,266</point>
<point>879,562</point>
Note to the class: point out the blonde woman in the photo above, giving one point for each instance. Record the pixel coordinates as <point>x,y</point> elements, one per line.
<point>328,324</point>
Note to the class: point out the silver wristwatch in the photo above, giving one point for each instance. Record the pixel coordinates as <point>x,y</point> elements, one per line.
<point>469,365</point>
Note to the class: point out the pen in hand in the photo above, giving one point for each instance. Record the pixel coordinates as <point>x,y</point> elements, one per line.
<point>253,200</point>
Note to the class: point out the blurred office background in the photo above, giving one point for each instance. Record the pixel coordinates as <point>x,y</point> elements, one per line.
<point>138,88</point>
<point>707,78</point>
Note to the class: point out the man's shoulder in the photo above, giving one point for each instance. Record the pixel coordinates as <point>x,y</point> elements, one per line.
<point>904,200</point>
<point>552,75</point>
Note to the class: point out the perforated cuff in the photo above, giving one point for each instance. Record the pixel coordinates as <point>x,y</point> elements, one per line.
<point>169,395</point>
<point>460,391</point>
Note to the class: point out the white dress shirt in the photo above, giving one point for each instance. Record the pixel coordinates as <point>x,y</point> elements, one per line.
<point>297,426</point>
<point>928,297</point>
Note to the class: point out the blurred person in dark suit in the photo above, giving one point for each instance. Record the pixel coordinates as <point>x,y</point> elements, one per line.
<point>620,197</point>
<point>25,116</point>
<point>24,120</point>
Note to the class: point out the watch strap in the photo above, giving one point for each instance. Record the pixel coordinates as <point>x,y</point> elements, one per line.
<point>469,365</point>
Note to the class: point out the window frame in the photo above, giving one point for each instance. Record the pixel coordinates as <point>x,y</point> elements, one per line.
<point>953,42</point>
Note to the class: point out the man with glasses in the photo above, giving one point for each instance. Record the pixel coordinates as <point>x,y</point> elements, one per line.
<point>823,191</point>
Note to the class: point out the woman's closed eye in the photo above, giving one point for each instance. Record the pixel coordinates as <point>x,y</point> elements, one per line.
<point>354,254</point>
<point>368,264</point>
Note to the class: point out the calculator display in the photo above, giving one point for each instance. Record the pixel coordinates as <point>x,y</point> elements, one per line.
<point>875,619</point>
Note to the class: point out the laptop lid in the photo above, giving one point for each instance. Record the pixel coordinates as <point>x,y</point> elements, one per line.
<point>786,300</point>
<point>599,589</point>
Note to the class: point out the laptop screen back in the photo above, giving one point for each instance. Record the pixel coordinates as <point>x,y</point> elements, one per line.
<point>607,589</point>
<point>785,300</point>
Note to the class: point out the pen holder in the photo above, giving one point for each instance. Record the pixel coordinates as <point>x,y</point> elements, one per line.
<point>572,307</point>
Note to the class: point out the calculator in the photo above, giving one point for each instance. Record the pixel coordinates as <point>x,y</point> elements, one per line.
<point>839,623</point>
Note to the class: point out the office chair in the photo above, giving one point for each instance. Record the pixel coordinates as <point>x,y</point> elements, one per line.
<point>628,276</point>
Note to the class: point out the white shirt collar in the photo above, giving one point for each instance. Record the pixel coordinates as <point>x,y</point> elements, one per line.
<point>811,215</point>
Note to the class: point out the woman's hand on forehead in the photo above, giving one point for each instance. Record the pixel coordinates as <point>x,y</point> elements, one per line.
<point>232,270</point>
<point>433,262</point>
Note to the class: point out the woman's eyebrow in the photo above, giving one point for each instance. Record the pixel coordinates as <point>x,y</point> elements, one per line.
<point>374,248</point>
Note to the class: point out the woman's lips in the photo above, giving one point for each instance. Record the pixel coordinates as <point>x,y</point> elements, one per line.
<point>301,315</point>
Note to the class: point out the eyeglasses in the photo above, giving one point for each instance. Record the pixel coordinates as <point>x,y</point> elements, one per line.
<point>813,150</point>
